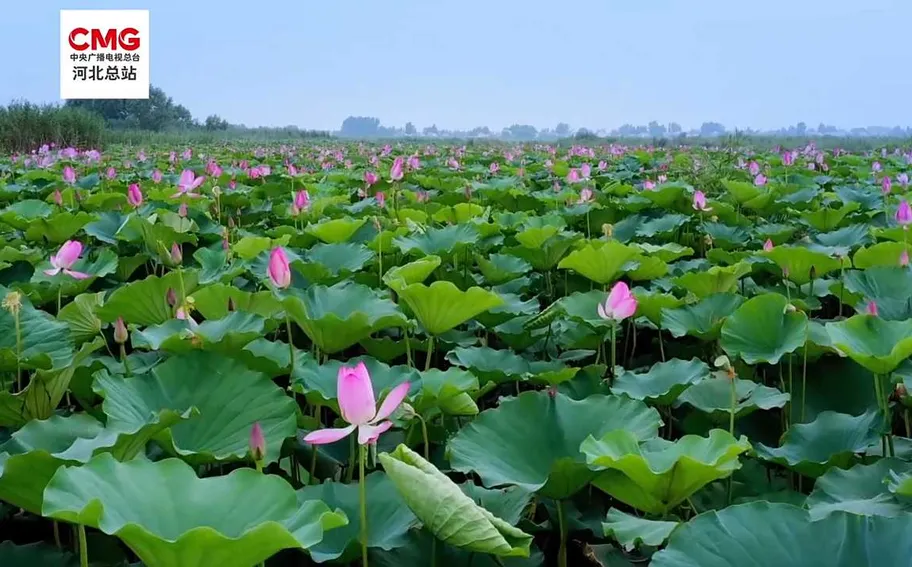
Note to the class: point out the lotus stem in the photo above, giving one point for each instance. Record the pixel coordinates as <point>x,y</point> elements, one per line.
<point>350,473</point>
<point>57,535</point>
<point>804,368</point>
<point>362,489</point>
<point>19,351</point>
<point>408,348</point>
<point>430,352</point>
<point>661,346</point>
<point>123,359</point>
<point>424,433</point>
<point>83,546</point>
<point>613,347</point>
<point>291,356</point>
<point>312,471</point>
<point>906,421</point>
<point>59,292</point>
<point>562,552</point>
<point>791,415</point>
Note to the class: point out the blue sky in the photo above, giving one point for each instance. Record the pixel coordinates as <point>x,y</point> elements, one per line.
<point>593,63</point>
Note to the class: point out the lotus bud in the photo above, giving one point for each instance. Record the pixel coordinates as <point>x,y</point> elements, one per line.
<point>257,443</point>
<point>407,411</point>
<point>13,302</point>
<point>231,305</point>
<point>708,240</point>
<point>904,258</point>
<point>714,218</point>
<point>230,222</point>
<point>171,297</point>
<point>722,362</point>
<point>216,191</point>
<point>176,255</point>
<point>789,308</point>
<point>120,331</point>
<point>58,197</point>
<point>813,272</point>
<point>182,210</point>
<point>608,230</point>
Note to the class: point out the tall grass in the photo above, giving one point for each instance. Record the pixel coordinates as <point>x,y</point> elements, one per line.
<point>24,126</point>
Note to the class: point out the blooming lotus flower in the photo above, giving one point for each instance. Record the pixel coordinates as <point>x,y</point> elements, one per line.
<point>452,163</point>
<point>156,176</point>
<point>279,271</point>
<point>134,195</point>
<point>213,169</point>
<point>58,198</point>
<point>768,245</point>
<point>904,213</point>
<point>904,258</point>
<point>662,178</point>
<point>886,185</point>
<point>381,199</point>
<point>586,170</point>
<point>423,196</point>
<point>188,153</point>
<point>187,183</point>
<point>359,408</point>
<point>619,305</point>
<point>370,178</point>
<point>494,167</point>
<point>649,185</point>
<point>876,166</point>
<point>788,158</point>
<point>413,162</point>
<point>573,175</point>
<point>585,195</point>
<point>64,259</point>
<point>292,170</point>
<point>182,210</point>
<point>603,165</point>
<point>69,175</point>
<point>111,173</point>
<point>301,202</point>
<point>257,443</point>
<point>396,170</point>
<point>699,201</point>
<point>760,180</point>
<point>871,308</point>
<point>903,179</point>
<point>811,166</point>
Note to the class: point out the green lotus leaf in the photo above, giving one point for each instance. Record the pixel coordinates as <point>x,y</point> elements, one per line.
<point>729,237</point>
<point>533,440</point>
<point>413,272</point>
<point>171,518</point>
<point>249,247</point>
<point>663,383</point>
<point>425,549</point>
<point>845,239</point>
<point>543,247</point>
<point>80,316</point>
<point>877,344</point>
<point>583,306</point>
<point>661,226</point>
<point>57,228</point>
<point>714,398</point>
<point>825,219</point>
<point>764,533</point>
<point>601,262</point>
<point>229,397</point>
<point>513,306</point>
<point>213,301</point>
<point>215,265</point>
<point>226,335</point>
<point>704,319</point>
<point>900,485</point>
<point>668,252</point>
<point>154,235</point>
<point>657,475</point>
<point>339,316</point>
<point>762,329</point>
<point>331,262</point>
<point>651,305</point>
<point>646,268</point>
<point>33,454</point>
<point>666,195</point>
<point>880,254</point>
<point>508,503</point>
<point>491,365</point>
<point>35,555</point>
<point>335,230</point>
<point>388,517</point>
<point>859,490</point>
<point>20,214</point>
<point>887,286</point>
<point>145,302</point>
<point>799,261</point>
<point>831,440</point>
<point>742,191</point>
<point>715,280</point>
<point>447,512</point>
<point>631,531</point>
<point>438,241</point>
<point>44,342</point>
<point>501,268</point>
<point>449,390</point>
<point>442,306</point>
<point>270,357</point>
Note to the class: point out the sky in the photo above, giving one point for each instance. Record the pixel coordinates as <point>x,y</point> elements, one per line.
<point>590,63</point>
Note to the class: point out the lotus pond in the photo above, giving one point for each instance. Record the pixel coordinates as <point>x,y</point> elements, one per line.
<point>455,356</point>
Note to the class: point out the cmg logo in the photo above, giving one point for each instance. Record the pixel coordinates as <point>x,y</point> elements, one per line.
<point>82,39</point>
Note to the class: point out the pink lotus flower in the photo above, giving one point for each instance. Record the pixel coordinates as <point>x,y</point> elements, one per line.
<point>187,183</point>
<point>871,308</point>
<point>603,165</point>
<point>156,176</point>
<point>69,175</point>
<point>396,170</point>
<point>301,202</point>
<point>370,178</point>
<point>649,185</point>
<point>359,408</point>
<point>182,210</point>
<point>64,259</point>
<point>788,158</point>
<point>886,185</point>
<point>904,213</point>
<point>573,175</point>
<point>876,166</point>
<point>177,255</point>
<point>257,443</point>
<point>585,195</point>
<point>586,170</point>
<point>452,163</point>
<point>292,170</point>
<point>134,195</point>
<point>381,199</point>
<point>279,271</point>
<point>903,179</point>
<point>413,162</point>
<point>494,167</point>
<point>111,173</point>
<point>699,201</point>
<point>619,305</point>
<point>760,180</point>
<point>58,198</point>
<point>120,331</point>
<point>662,178</point>
<point>213,169</point>
<point>904,258</point>
<point>423,196</point>
<point>768,245</point>
<point>141,155</point>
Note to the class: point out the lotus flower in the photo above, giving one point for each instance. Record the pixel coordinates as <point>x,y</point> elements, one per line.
<point>452,163</point>
<point>111,173</point>
<point>301,202</point>
<point>64,259</point>
<point>585,170</point>
<point>413,162</point>
<point>494,167</point>
<point>699,201</point>
<point>177,256</point>
<point>182,210</point>
<point>768,245</point>
<point>279,270</point>
<point>585,195</point>
<point>58,198</point>
<point>359,408</point>
<point>188,153</point>
<point>381,199</point>
<point>754,168</point>
<point>649,185</point>
<point>134,195</point>
<point>760,180</point>
<point>396,170</point>
<point>886,185</point>
<point>370,178</point>
<point>422,196</point>
<point>904,213</point>
<point>871,308</point>
<point>156,176</point>
<point>187,183</point>
<point>257,443</point>
<point>573,176</point>
<point>903,179</point>
<point>876,166</point>
<point>904,258</point>
<point>69,175</point>
<point>619,305</point>
<point>602,165</point>
<point>120,331</point>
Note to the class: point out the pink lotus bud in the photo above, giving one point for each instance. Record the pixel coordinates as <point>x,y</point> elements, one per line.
<point>69,175</point>
<point>157,176</point>
<point>494,167</point>
<point>904,258</point>
<point>58,197</point>
<point>134,195</point>
<point>171,297</point>
<point>120,331</point>
<point>886,185</point>
<point>279,270</point>
<point>257,443</point>
<point>396,170</point>
<point>871,308</point>
<point>904,213</point>
<point>176,255</point>
<point>370,178</point>
<point>380,196</point>
<point>768,245</point>
<point>760,180</point>
<point>111,173</point>
<point>573,175</point>
<point>182,210</point>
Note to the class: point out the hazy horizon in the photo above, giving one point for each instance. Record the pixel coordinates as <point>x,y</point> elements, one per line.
<point>600,65</point>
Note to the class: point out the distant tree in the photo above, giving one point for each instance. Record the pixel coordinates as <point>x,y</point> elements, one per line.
<point>360,127</point>
<point>674,128</point>
<point>410,129</point>
<point>215,122</point>
<point>711,129</point>
<point>656,130</point>
<point>801,129</point>
<point>521,132</point>
<point>562,129</point>
<point>158,112</point>
<point>430,130</point>
<point>480,131</point>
